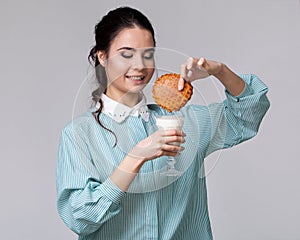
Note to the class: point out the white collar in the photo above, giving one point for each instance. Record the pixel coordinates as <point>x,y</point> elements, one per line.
<point>119,112</point>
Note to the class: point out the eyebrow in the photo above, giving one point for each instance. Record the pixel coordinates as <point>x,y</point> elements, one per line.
<point>150,49</point>
<point>134,49</point>
<point>125,48</point>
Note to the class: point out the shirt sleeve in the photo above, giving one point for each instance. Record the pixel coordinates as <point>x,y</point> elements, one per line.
<point>84,203</point>
<point>238,118</point>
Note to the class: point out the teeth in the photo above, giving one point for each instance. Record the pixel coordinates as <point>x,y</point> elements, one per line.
<point>136,77</point>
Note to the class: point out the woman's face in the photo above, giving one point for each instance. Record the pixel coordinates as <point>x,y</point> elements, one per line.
<point>129,64</point>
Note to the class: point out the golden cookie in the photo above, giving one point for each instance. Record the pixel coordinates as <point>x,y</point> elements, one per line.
<point>165,92</point>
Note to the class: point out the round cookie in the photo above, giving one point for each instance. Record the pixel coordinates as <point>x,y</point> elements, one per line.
<point>165,92</point>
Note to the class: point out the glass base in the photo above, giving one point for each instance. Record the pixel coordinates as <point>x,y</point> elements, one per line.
<point>171,172</point>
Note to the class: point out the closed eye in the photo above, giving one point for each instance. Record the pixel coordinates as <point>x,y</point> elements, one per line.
<point>126,54</point>
<point>149,55</point>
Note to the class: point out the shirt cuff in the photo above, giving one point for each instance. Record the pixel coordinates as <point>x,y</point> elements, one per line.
<point>247,91</point>
<point>112,191</point>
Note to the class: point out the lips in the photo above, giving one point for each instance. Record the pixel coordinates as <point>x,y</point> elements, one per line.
<point>135,77</point>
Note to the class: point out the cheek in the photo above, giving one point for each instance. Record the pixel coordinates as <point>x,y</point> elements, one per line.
<point>150,68</point>
<point>150,72</point>
<point>150,64</point>
<point>115,69</point>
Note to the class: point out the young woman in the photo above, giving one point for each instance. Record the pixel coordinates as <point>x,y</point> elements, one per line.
<point>108,180</point>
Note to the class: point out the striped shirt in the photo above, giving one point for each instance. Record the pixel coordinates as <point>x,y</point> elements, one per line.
<point>155,206</point>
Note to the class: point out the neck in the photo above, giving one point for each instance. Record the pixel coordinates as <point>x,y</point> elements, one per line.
<point>128,99</point>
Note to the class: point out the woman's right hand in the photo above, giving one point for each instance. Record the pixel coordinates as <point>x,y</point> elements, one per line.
<point>160,143</point>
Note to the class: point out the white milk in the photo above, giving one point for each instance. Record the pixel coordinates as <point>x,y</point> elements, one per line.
<point>170,122</point>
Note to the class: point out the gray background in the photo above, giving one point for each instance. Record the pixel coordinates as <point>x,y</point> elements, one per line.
<point>254,190</point>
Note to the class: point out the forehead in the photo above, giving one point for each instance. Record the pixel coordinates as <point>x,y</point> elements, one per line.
<point>132,37</point>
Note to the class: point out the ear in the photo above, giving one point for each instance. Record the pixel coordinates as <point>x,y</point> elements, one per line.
<point>102,57</point>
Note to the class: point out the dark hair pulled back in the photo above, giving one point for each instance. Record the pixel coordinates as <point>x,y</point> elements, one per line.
<point>105,32</point>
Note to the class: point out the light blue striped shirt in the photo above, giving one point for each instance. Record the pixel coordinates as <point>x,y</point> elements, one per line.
<point>155,206</point>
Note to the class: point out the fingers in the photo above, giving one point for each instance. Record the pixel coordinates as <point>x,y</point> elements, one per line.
<point>185,72</point>
<point>171,141</point>
<point>201,63</point>
<point>174,139</point>
<point>189,63</point>
<point>164,137</point>
<point>193,69</point>
<point>172,132</point>
<point>183,76</point>
<point>160,143</point>
<point>167,153</point>
<point>172,149</point>
<point>180,84</point>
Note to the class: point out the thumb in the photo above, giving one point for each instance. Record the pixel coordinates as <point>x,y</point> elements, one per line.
<point>180,83</point>
<point>183,75</point>
<point>202,64</point>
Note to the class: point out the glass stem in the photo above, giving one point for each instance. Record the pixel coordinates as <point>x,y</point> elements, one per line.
<point>171,163</point>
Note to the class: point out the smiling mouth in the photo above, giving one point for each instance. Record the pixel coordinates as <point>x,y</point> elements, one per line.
<point>135,78</point>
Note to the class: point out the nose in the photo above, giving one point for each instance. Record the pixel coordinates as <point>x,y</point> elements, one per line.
<point>138,63</point>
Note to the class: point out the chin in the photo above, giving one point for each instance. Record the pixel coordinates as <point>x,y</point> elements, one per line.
<point>137,89</point>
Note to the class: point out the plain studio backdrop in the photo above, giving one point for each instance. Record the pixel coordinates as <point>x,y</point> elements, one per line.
<point>253,190</point>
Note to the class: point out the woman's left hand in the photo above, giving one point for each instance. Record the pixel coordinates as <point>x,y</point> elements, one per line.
<point>196,68</point>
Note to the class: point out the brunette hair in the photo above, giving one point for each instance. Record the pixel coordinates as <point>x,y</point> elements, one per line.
<point>105,31</point>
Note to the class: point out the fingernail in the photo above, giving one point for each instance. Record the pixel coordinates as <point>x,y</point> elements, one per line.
<point>180,86</point>
<point>189,63</point>
<point>200,62</point>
